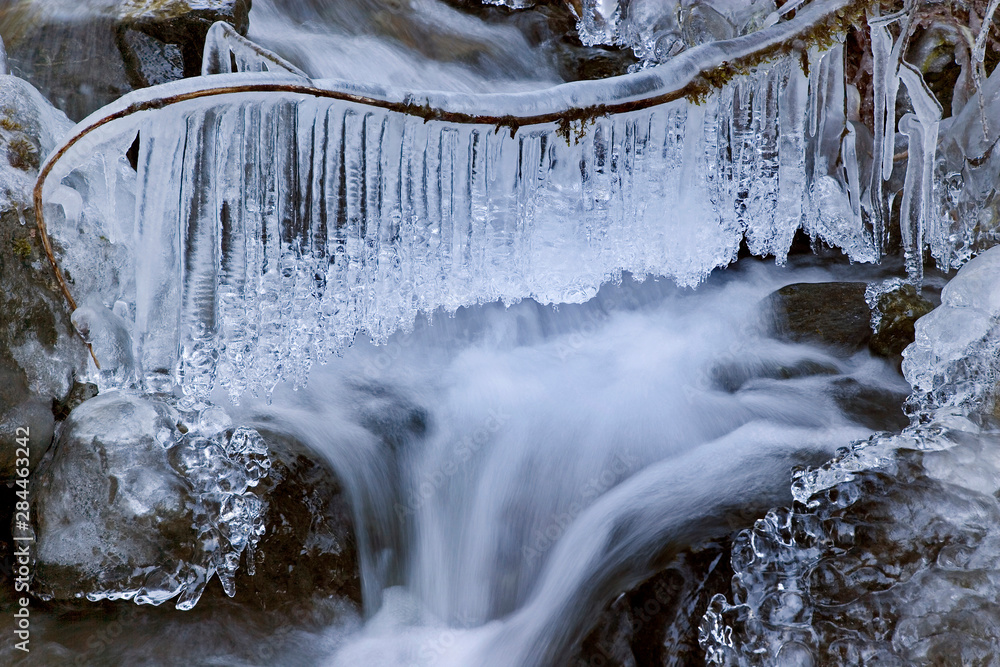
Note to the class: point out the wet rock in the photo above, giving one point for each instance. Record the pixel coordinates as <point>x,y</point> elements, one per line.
<point>136,496</point>
<point>181,24</point>
<point>135,503</point>
<point>109,506</point>
<point>831,314</point>
<point>551,27</point>
<point>876,408</point>
<point>656,623</point>
<point>85,59</point>
<point>895,312</point>
<point>308,547</point>
<point>39,353</point>
<point>81,391</point>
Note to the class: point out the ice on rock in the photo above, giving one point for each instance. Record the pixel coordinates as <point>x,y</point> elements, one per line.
<point>954,359</point>
<point>888,554</point>
<point>109,336</point>
<point>159,495</point>
<point>658,30</point>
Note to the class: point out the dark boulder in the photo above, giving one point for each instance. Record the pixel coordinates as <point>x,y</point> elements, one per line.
<point>830,314</point>
<point>656,623</point>
<point>308,548</point>
<point>111,49</point>
<point>39,353</point>
<point>896,311</point>
<point>132,502</point>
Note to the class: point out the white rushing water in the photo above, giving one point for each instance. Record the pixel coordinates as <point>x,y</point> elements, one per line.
<point>566,452</point>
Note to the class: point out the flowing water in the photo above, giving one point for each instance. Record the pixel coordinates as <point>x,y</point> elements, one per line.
<point>550,458</point>
<point>567,452</point>
<point>541,452</point>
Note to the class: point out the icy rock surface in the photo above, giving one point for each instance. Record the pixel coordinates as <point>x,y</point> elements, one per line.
<point>895,307</point>
<point>140,501</point>
<point>110,340</point>
<point>39,352</point>
<point>888,555</point>
<point>953,362</point>
<point>658,30</point>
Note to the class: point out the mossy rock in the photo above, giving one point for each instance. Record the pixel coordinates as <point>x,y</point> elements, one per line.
<point>899,310</point>
<point>111,49</point>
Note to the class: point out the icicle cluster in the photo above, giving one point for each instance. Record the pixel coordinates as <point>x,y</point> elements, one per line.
<point>271,229</point>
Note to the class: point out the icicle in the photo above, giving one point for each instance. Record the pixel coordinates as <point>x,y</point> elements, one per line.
<point>227,51</point>
<point>921,128</point>
<point>849,154</point>
<point>792,179</point>
<point>881,44</point>
<point>4,67</point>
<point>979,52</point>
<point>158,242</point>
<point>257,210</point>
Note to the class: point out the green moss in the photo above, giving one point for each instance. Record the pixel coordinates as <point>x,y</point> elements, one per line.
<point>574,124</point>
<point>824,36</point>
<point>23,154</point>
<point>21,247</point>
<point>512,123</point>
<point>8,120</point>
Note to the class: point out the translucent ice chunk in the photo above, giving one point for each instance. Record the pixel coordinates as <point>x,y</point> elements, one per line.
<point>109,338</point>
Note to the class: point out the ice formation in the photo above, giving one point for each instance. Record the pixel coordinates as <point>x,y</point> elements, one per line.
<point>256,209</point>
<point>888,555</point>
<point>264,198</point>
<point>133,506</point>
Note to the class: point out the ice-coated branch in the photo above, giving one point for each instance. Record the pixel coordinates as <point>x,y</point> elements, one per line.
<point>690,74</point>
<point>223,44</point>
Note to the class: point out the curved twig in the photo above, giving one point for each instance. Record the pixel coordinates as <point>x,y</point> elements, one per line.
<point>692,74</point>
